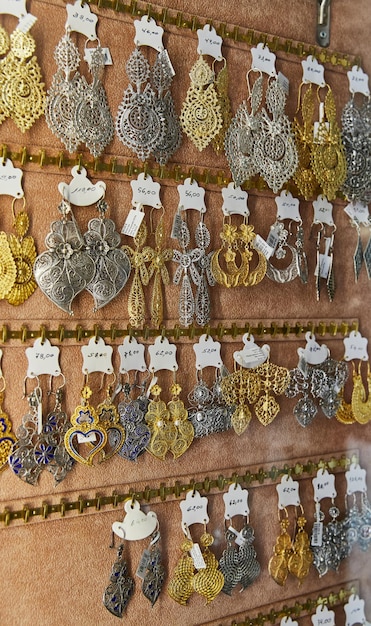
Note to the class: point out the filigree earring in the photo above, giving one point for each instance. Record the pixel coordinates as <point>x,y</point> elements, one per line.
<point>278,565</point>
<point>23,251</point>
<point>162,76</point>
<point>112,265</point>
<point>328,156</point>
<point>186,259</point>
<point>4,47</point>
<point>200,116</point>
<point>356,126</point>
<point>7,436</point>
<point>132,417</point>
<point>65,269</point>
<point>136,300</point>
<point>121,586</point>
<point>304,176</point>
<point>274,149</point>
<point>242,132</point>
<point>22,92</point>
<point>157,258</point>
<point>221,86</point>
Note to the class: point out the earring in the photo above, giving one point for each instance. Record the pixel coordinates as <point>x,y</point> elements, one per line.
<point>304,175</point>
<point>162,428</point>
<point>328,156</point>
<point>278,566</point>
<point>109,420</point>
<point>179,417</point>
<point>154,576</point>
<point>85,428</point>
<point>290,272</point>
<point>200,116</point>
<point>186,260</point>
<point>221,87</point>
<point>8,267</point>
<point>241,134</point>
<point>208,581</point>
<point>63,94</point>
<point>65,269</point>
<point>302,558</point>
<point>136,300</point>
<point>7,436</point>
<point>361,408</point>
<point>22,92</point>
<point>157,258</point>
<point>355,137</point>
<point>274,149</point>
<point>202,299</point>
<point>208,413</point>
<point>239,390</point>
<point>4,48</point>
<point>132,417</point>
<point>180,587</point>
<point>24,254</point>
<point>121,586</point>
<point>92,117</point>
<point>112,265</point>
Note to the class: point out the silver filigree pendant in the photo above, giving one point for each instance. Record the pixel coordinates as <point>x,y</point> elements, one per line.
<point>112,265</point>
<point>65,269</point>
<point>92,116</point>
<point>241,135</point>
<point>186,260</point>
<point>66,91</point>
<point>202,300</point>
<point>121,586</point>
<point>289,273</point>
<point>154,576</point>
<point>138,123</point>
<point>356,138</point>
<point>137,433</point>
<point>162,76</point>
<point>274,149</point>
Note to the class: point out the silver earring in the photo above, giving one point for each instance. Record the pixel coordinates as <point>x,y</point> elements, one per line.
<point>112,265</point>
<point>65,268</point>
<point>186,260</point>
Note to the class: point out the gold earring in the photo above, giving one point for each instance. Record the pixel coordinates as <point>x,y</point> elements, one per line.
<point>4,47</point>
<point>24,254</point>
<point>272,378</point>
<point>180,586</point>
<point>157,258</point>
<point>7,436</point>
<point>208,581</point>
<point>278,564</point>
<point>239,390</point>
<point>361,408</point>
<point>136,300</point>
<point>179,416</point>
<point>302,557</point>
<point>255,276</point>
<point>22,93</point>
<point>109,420</point>
<point>233,275</point>
<point>162,428</point>
<point>328,154</point>
<point>221,86</point>
<point>201,117</point>
<point>304,176</point>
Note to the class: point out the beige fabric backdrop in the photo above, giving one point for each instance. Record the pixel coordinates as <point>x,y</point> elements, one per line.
<point>55,571</point>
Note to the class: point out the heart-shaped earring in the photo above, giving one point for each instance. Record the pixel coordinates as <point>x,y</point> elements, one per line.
<point>86,428</point>
<point>65,268</point>
<point>112,265</point>
<point>109,420</point>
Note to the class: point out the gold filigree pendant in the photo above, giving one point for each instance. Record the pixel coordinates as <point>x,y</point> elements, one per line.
<point>85,429</point>
<point>8,270</point>
<point>162,428</point>
<point>221,85</point>
<point>22,93</point>
<point>201,118</point>
<point>136,300</point>
<point>157,258</point>
<point>24,255</point>
<point>304,176</point>
<point>7,436</point>
<point>179,416</point>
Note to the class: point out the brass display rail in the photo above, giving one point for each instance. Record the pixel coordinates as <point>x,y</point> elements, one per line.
<point>248,36</point>
<point>329,599</point>
<point>262,329</point>
<point>165,491</point>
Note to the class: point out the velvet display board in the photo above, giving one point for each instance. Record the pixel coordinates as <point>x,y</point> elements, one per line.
<point>55,570</point>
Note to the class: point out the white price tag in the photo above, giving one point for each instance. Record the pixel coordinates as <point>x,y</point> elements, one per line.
<point>323,617</point>
<point>106,52</point>
<point>355,347</point>
<point>194,509</point>
<point>162,355</point>
<point>97,356</point>
<point>251,354</point>
<point>323,266</point>
<point>354,611</point>
<point>198,559</point>
<point>132,356</point>
<point>136,524</point>
<point>284,82</point>
<point>81,438</point>
<point>262,246</point>
<point>148,33</point>
<point>235,201</point>
<point>274,236</point>
<point>317,532</point>
<point>209,42</point>
<point>81,19</point>
<point>146,192</point>
<point>43,358</point>
<point>287,621</point>
<point>133,222</point>
<point>26,22</point>
<point>10,179</point>
<point>13,7</point>
<point>324,485</point>
<point>356,479</point>
<point>191,196</point>
<point>313,72</point>
<point>236,502</point>
<point>81,191</point>
<point>287,207</point>
<point>288,492</point>
<point>263,59</point>
<point>313,353</point>
<point>322,211</point>
<point>207,353</point>
<point>358,211</point>
<point>143,563</point>
<point>358,81</point>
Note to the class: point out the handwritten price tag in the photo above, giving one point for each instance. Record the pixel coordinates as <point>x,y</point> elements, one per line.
<point>354,611</point>
<point>287,207</point>
<point>236,502</point>
<point>209,42</point>
<point>162,355</point>
<point>132,356</point>
<point>43,358</point>
<point>10,179</point>
<point>207,353</point>
<point>324,485</point>
<point>355,347</point>
<point>313,353</point>
<point>235,201</point>
<point>81,191</point>
<point>358,81</point>
<point>97,357</point>
<point>288,492</point>
<point>194,509</point>
<point>81,19</point>
<point>191,196</point>
<point>313,72</point>
<point>356,479</point>
<point>146,192</point>
<point>263,59</point>
<point>147,33</point>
